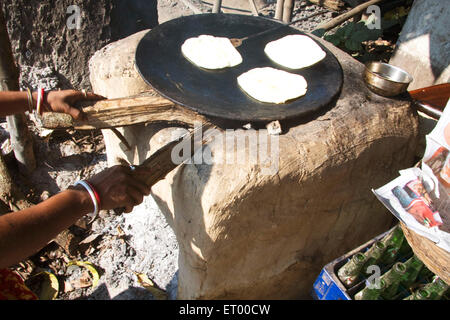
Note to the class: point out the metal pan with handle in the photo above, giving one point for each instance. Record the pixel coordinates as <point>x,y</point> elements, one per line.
<point>215,93</point>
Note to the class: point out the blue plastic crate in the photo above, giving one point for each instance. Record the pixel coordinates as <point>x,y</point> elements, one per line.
<point>328,286</point>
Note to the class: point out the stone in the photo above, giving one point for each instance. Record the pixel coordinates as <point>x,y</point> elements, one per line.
<point>64,34</point>
<point>423,47</point>
<point>423,51</point>
<point>248,233</point>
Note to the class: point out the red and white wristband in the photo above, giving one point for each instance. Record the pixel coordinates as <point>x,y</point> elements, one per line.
<point>94,195</point>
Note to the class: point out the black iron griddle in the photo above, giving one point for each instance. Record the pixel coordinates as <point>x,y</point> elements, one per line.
<point>215,92</point>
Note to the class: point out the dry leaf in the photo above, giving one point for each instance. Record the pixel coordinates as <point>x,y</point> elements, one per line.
<point>85,280</point>
<point>120,232</point>
<point>148,284</point>
<point>68,286</point>
<point>90,238</point>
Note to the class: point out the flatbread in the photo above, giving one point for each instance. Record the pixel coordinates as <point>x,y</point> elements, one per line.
<point>272,85</point>
<point>210,52</point>
<point>294,51</point>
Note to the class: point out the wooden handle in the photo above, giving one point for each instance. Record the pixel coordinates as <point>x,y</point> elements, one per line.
<point>111,113</point>
<point>437,96</point>
<point>161,162</point>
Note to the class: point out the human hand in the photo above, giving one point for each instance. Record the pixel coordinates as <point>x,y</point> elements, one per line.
<point>120,187</point>
<point>63,101</point>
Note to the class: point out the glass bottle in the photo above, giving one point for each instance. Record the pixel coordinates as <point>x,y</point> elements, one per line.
<point>425,274</point>
<point>413,267</point>
<point>350,272</point>
<point>371,292</point>
<point>419,294</point>
<point>405,250</point>
<point>437,288</point>
<point>393,242</point>
<point>373,255</point>
<point>392,279</point>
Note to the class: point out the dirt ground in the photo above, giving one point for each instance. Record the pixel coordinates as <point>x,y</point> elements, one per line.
<point>120,247</point>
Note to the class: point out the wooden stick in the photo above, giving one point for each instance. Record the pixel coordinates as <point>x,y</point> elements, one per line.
<point>121,138</point>
<point>112,113</point>
<point>287,10</point>
<point>253,7</point>
<point>344,17</point>
<point>279,10</point>
<point>161,161</point>
<point>217,5</point>
<point>21,139</point>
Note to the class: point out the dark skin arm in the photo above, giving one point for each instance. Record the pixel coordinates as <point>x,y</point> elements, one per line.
<point>12,102</point>
<point>24,232</point>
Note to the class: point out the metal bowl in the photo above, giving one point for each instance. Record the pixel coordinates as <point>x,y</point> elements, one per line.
<point>385,79</point>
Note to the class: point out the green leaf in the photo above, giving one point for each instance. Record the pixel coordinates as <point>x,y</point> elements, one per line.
<point>334,39</point>
<point>353,45</point>
<point>366,35</point>
<point>348,29</point>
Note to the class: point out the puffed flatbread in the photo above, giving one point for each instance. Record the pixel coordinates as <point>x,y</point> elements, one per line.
<point>294,51</point>
<point>210,52</point>
<point>272,85</point>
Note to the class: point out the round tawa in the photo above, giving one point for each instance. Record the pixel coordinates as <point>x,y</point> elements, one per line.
<point>215,92</point>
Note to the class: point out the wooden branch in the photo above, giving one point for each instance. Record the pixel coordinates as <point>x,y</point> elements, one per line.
<point>161,161</point>
<point>334,5</point>
<point>344,17</point>
<point>287,10</point>
<point>21,139</point>
<point>279,10</point>
<point>112,113</point>
<point>121,138</point>
<point>254,8</point>
<point>217,6</point>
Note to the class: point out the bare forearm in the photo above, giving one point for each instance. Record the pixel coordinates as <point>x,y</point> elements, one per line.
<point>13,102</point>
<point>25,232</point>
